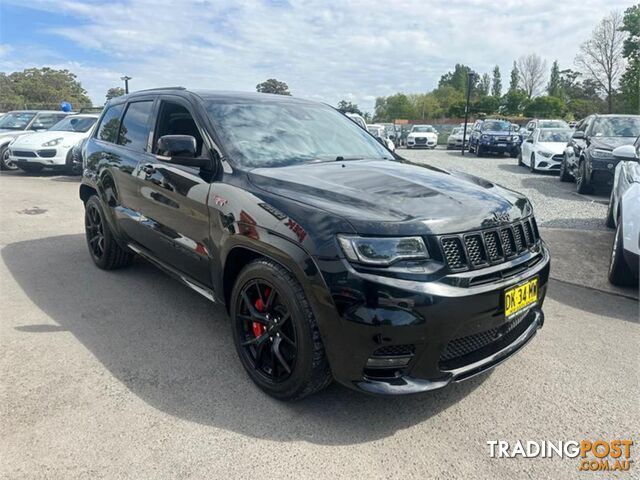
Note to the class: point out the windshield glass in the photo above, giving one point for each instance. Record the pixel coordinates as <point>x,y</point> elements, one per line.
<point>559,136</point>
<point>495,125</point>
<point>16,120</point>
<point>281,134</point>
<point>457,131</point>
<point>423,129</point>
<point>616,127</point>
<point>74,124</point>
<point>553,124</point>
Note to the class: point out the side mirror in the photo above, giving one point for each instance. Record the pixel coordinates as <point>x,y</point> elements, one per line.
<point>578,134</point>
<point>625,152</point>
<point>180,150</point>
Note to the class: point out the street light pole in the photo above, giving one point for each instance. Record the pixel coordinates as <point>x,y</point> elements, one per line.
<point>470,76</point>
<point>126,83</point>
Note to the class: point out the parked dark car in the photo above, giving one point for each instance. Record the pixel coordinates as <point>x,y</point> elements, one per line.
<point>588,158</point>
<point>494,136</point>
<point>334,259</point>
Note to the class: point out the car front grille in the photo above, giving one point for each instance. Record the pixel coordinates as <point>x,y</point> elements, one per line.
<point>477,249</point>
<point>420,140</point>
<point>47,153</point>
<point>395,351</point>
<point>23,153</point>
<point>463,346</point>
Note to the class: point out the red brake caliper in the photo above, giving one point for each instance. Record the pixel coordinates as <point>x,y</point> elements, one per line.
<point>259,328</point>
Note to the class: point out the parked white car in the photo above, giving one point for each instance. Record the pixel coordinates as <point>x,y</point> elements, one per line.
<point>23,122</point>
<point>52,148</point>
<point>379,131</point>
<point>544,148</point>
<point>455,139</point>
<point>624,215</point>
<point>422,136</point>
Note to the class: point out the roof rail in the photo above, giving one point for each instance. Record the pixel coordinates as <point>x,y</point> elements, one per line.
<point>159,88</point>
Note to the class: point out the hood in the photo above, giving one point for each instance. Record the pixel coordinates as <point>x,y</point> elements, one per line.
<point>389,197</point>
<point>554,147</point>
<point>498,132</point>
<point>609,143</point>
<point>7,135</point>
<point>35,140</point>
<point>422,134</point>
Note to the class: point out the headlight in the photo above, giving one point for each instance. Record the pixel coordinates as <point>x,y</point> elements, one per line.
<point>545,154</point>
<point>53,143</point>
<point>382,251</point>
<point>597,153</point>
<point>485,137</point>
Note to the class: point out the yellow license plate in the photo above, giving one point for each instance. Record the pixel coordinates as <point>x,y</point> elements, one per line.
<point>520,297</point>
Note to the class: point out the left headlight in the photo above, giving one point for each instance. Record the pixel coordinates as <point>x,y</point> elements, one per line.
<point>53,143</point>
<point>382,251</point>
<point>597,153</point>
<point>545,154</point>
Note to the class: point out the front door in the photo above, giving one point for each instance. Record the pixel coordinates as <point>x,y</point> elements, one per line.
<point>174,219</point>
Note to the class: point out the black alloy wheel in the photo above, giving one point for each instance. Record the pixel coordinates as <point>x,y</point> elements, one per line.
<point>94,228</point>
<point>532,164</point>
<point>583,185</point>
<point>564,174</point>
<point>275,332</point>
<point>269,337</point>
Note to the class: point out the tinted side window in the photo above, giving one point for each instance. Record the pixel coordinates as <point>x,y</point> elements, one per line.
<point>174,119</point>
<point>47,120</point>
<point>110,124</point>
<point>134,132</point>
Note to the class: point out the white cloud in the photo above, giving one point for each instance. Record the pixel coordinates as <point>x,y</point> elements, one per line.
<point>323,49</point>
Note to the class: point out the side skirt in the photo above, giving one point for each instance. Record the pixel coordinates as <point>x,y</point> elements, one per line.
<point>194,285</point>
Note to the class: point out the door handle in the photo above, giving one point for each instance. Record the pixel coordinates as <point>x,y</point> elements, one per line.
<point>148,169</point>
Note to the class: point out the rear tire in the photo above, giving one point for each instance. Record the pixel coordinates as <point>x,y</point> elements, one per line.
<point>308,371</point>
<point>5,163</point>
<point>619,272</point>
<point>564,175</point>
<point>103,248</point>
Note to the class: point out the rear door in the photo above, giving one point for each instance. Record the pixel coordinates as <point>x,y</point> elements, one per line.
<point>173,198</point>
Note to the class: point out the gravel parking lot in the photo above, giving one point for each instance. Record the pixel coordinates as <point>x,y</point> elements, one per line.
<point>129,374</point>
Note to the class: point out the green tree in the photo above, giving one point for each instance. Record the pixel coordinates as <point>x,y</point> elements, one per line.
<point>273,86</point>
<point>554,89</point>
<point>515,78</point>
<point>545,107</point>
<point>114,92</point>
<point>514,102</point>
<point>43,88</point>
<point>458,79</point>
<point>496,82</point>
<point>484,86</point>
<point>393,107</point>
<point>487,105</point>
<point>630,80</point>
<point>348,107</point>
<point>450,100</point>
<point>425,105</point>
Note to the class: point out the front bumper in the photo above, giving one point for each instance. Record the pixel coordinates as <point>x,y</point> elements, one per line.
<point>421,142</point>
<point>549,164</point>
<point>602,171</point>
<point>45,156</point>
<point>437,325</point>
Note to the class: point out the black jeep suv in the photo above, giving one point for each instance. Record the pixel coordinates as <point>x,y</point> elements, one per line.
<point>588,157</point>
<point>334,258</point>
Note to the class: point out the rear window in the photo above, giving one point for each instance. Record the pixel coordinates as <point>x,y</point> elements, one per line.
<point>134,132</point>
<point>110,124</point>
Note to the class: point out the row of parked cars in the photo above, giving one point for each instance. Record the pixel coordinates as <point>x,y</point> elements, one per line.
<point>32,140</point>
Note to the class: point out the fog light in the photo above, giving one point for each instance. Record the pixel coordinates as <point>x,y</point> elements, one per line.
<point>386,362</point>
<point>610,165</point>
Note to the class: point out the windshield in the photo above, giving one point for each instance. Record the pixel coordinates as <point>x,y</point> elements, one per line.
<point>457,131</point>
<point>558,136</point>
<point>495,125</point>
<point>16,120</point>
<point>423,129</point>
<point>616,127</point>
<point>74,124</point>
<point>553,124</point>
<point>281,134</point>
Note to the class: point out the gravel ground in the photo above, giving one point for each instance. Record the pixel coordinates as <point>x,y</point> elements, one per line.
<point>129,374</point>
<point>556,204</point>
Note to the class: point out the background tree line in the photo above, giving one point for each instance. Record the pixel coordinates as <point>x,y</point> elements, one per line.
<point>606,80</point>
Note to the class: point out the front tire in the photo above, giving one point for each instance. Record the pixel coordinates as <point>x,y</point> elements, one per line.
<point>103,248</point>
<point>5,162</point>
<point>275,332</point>
<point>583,185</point>
<point>532,163</point>
<point>609,222</point>
<point>479,152</point>
<point>619,272</point>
